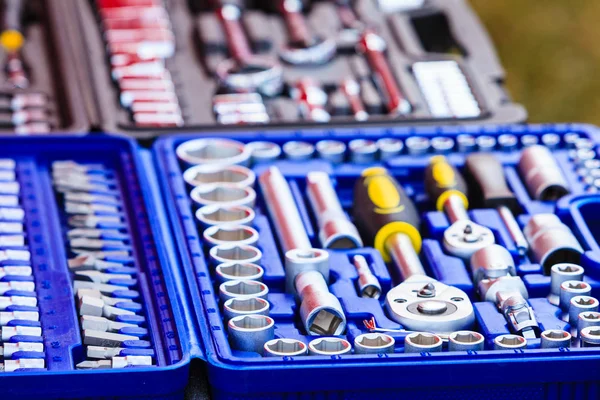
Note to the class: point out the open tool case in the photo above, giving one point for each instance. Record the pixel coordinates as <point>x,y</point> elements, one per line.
<point>52,101</point>
<point>532,373</point>
<point>435,31</point>
<point>47,223</point>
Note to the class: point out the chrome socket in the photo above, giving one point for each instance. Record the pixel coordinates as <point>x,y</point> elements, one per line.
<point>422,342</point>
<point>250,332</point>
<point>320,311</point>
<point>368,284</point>
<point>491,262</point>
<point>333,151</point>
<point>363,151</point>
<point>285,348</point>
<point>230,234</point>
<point>560,273</point>
<point>217,214</point>
<point>242,290</point>
<point>389,148</point>
<point>542,174</point>
<point>466,341</point>
<point>417,145</point>
<point>264,152</point>
<point>508,142</point>
<point>300,260</point>
<point>239,271</point>
<point>466,143</point>
<point>236,307</point>
<point>486,143</point>
<point>223,194</point>
<point>551,140</point>
<point>374,343</point>
<point>298,151</point>
<point>555,338</point>
<point>581,304</point>
<point>442,144</point>
<point>586,319</point>
<point>551,241</point>
<point>211,174</point>
<point>329,346</point>
<point>213,151</point>
<point>336,231</point>
<point>509,342</point>
<point>590,336</point>
<point>570,289</point>
<point>226,253</point>
<point>529,140</point>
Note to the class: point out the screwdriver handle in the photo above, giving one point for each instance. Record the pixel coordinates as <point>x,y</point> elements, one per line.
<point>382,209</point>
<point>11,37</point>
<point>486,178</point>
<point>443,181</point>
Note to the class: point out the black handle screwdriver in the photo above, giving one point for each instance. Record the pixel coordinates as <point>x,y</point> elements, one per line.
<point>12,40</point>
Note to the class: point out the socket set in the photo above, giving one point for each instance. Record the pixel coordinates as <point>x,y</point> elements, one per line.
<point>36,61</point>
<point>84,283</point>
<point>397,253</point>
<point>182,65</point>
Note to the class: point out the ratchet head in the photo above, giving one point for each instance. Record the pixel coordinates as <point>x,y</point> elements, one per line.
<point>464,237</point>
<point>423,304</point>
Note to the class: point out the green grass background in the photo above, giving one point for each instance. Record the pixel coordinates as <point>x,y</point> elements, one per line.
<point>551,52</point>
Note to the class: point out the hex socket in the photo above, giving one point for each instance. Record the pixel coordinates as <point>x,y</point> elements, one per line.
<point>551,241</point>
<point>560,273</point>
<point>590,336</point>
<point>333,151</point>
<point>263,152</point>
<point>250,332</point>
<point>235,307</point>
<point>509,342</point>
<point>580,304</point>
<point>419,342</point>
<point>285,348</point>
<point>211,174</point>
<point>216,214</point>
<point>374,343</point>
<point>329,346</point>
<point>586,319</point>
<point>320,311</point>
<point>242,290</point>
<point>226,253</point>
<point>542,174</point>
<point>465,341</point>
<point>570,289</point>
<point>239,272</point>
<point>301,260</point>
<point>230,234</point>
<point>213,151</point>
<point>555,338</point>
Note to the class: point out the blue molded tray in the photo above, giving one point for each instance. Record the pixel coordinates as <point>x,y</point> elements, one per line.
<point>160,282</point>
<point>532,373</point>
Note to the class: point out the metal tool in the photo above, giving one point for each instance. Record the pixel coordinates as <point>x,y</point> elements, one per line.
<point>465,341</point>
<point>485,143</point>
<point>551,241</point>
<point>581,304</point>
<point>303,47</point>
<point>12,40</point>
<point>466,143</point>
<point>239,271</point>
<point>373,47</point>
<point>217,214</point>
<point>238,307</point>
<point>229,233</point>
<point>442,144</point>
<point>8,332</point>
<point>446,89</point>
<point>551,140</point>
<point>264,152</point>
<point>487,183</point>
<point>363,151</point>
<point>447,189</point>
<point>250,332</point>
<point>555,339</point>
<point>245,71</point>
<point>389,148</point>
<point>586,319</point>
<point>560,273</point>
<point>508,142</point>
<point>367,283</point>
<point>242,289</point>
<point>223,194</point>
<point>374,343</point>
<point>213,151</point>
<point>285,348</point>
<point>320,311</point>
<point>571,289</point>
<point>417,145</point>
<point>237,175</point>
<point>298,151</point>
<point>336,231</point>
<point>529,140</point>
<point>542,175</point>
<point>351,89</point>
<point>333,151</point>
<point>8,349</point>
<point>226,253</point>
<point>312,100</point>
<point>22,364</point>
<point>422,342</point>
<point>509,342</point>
<point>283,210</point>
<point>106,325</point>
<point>329,346</point>
<point>301,260</point>
<point>590,336</point>
<point>116,362</point>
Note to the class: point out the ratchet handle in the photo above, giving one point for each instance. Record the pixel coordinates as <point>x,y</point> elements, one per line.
<point>442,180</point>
<point>488,182</point>
<point>382,209</point>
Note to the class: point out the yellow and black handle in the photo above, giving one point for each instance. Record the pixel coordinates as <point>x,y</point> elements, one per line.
<point>382,208</point>
<point>442,180</point>
<point>12,37</point>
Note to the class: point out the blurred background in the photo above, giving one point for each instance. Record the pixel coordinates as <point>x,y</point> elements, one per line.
<point>551,55</point>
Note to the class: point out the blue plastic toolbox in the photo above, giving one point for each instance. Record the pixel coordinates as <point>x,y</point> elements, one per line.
<point>523,367</point>
<point>67,200</point>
